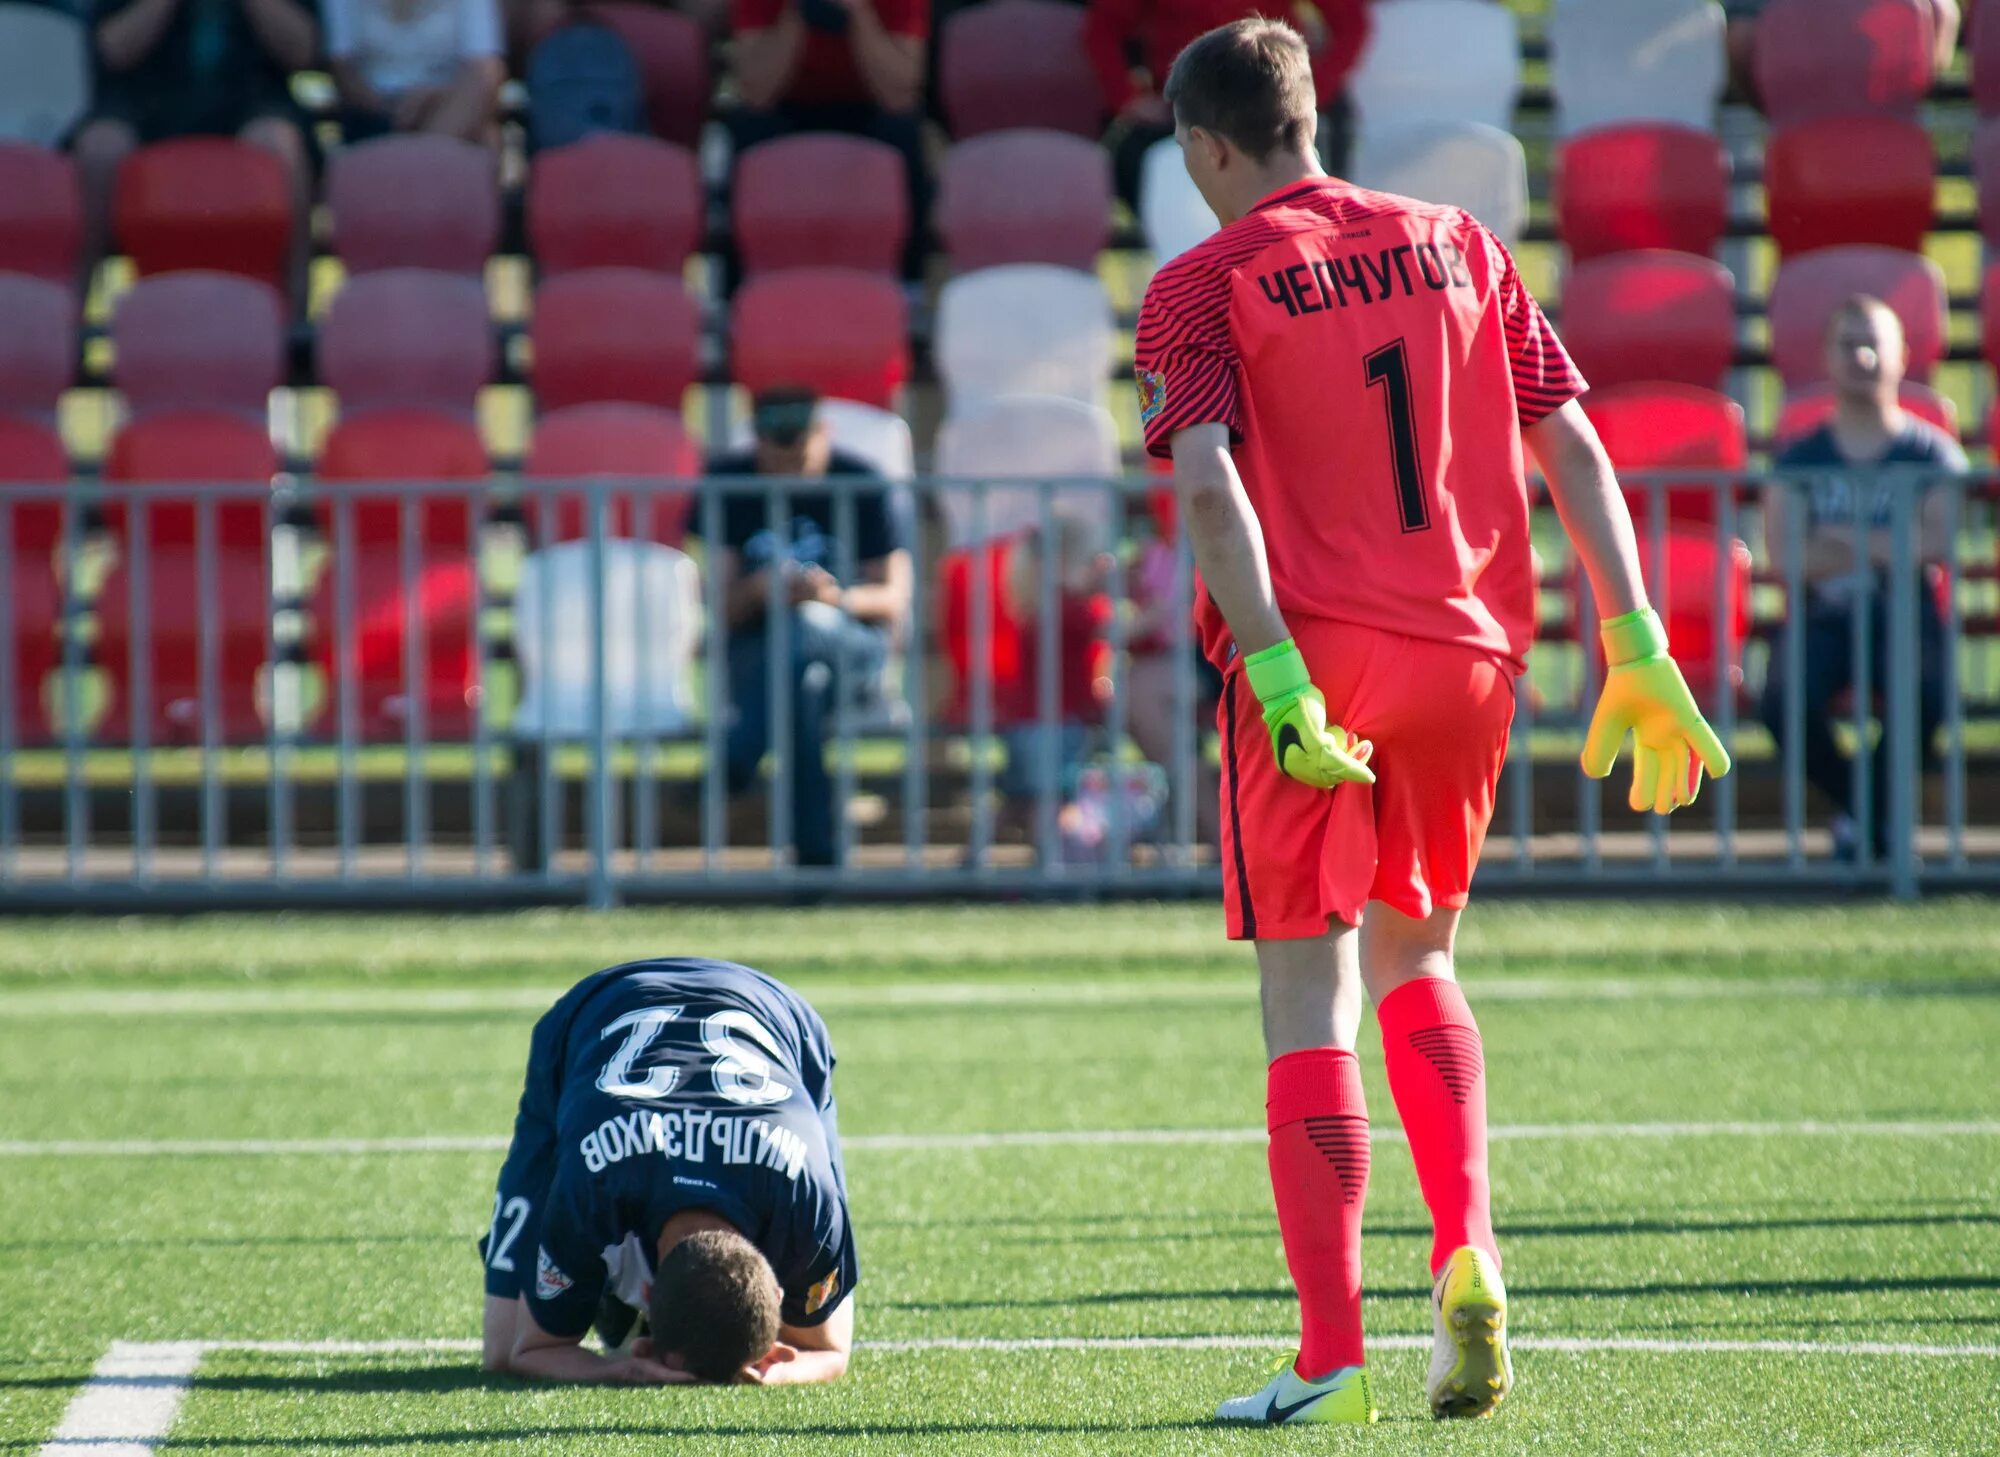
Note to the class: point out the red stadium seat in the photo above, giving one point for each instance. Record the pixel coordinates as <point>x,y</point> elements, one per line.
<point>205,202</point>
<point>31,453</point>
<point>1819,58</point>
<point>1652,315</point>
<point>614,201</point>
<point>672,54</point>
<point>1811,407</point>
<point>1850,179</point>
<point>1686,600</point>
<point>199,340</point>
<point>191,447</point>
<point>370,645</point>
<point>1655,428</point>
<point>833,330</point>
<point>820,200</point>
<point>1010,63</point>
<point>1014,641</point>
<point>1624,188</point>
<point>414,202</point>
<point>1809,290</point>
<point>1982,42</point>
<point>615,334</point>
<point>1025,196</point>
<point>635,441</point>
<point>41,214</point>
<point>407,337</point>
<point>1986,173</point>
<point>37,344</point>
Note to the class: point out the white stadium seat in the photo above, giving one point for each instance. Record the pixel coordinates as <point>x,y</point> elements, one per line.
<point>1479,168</point>
<point>1024,329</point>
<point>1437,60</point>
<point>45,68</point>
<point>1034,436</point>
<point>1617,61</point>
<point>1170,209</point>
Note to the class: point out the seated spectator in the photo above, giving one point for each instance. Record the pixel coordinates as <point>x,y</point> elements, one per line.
<point>178,68</point>
<point>854,66</point>
<point>837,628</point>
<point>1865,361</point>
<point>428,66</point>
<point>1118,33</point>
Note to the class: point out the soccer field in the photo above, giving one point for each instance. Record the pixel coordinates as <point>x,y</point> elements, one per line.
<point>1746,1167</point>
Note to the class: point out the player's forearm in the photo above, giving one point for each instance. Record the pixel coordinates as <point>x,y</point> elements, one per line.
<point>1593,513</point>
<point>808,1368</point>
<point>562,1362</point>
<point>1228,541</point>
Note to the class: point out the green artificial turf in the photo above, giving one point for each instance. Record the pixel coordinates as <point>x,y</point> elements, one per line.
<point>952,1021</point>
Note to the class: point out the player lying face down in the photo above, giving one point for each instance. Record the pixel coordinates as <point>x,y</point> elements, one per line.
<point>675,1181</point>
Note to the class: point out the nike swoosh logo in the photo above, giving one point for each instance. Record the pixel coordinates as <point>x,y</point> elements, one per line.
<point>1279,1413</point>
<point>1288,738</point>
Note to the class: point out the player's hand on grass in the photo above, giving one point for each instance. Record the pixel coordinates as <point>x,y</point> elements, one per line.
<point>647,1371</point>
<point>1308,748</point>
<point>1645,696</point>
<point>770,1369</point>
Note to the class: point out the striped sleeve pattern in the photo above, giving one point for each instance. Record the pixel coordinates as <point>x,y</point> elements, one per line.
<point>1544,378</point>
<point>1183,357</point>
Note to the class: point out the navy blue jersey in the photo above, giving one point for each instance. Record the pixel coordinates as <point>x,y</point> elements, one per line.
<point>660,1086</point>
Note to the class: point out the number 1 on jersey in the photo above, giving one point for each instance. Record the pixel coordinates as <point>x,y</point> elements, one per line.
<point>1389,367</point>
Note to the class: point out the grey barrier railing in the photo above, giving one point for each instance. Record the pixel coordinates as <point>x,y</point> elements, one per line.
<point>449,692</point>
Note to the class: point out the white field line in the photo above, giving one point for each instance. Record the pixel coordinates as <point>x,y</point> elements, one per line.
<point>128,1405</point>
<point>1026,1138</point>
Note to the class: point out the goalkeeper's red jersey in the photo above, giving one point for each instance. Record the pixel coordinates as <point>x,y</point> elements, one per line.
<point>1374,359</point>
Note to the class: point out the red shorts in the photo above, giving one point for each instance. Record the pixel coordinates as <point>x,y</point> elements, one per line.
<point>1296,859</point>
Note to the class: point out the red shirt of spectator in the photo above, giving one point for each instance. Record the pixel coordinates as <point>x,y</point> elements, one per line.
<point>1163,27</point>
<point>827,75</point>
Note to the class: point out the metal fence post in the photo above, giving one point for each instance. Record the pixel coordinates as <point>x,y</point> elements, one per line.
<point>1903,671</point>
<point>599,890</point>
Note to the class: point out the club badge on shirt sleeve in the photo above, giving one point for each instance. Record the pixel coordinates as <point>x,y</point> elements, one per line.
<point>819,1296</point>
<point>550,1281</point>
<point>1152,394</point>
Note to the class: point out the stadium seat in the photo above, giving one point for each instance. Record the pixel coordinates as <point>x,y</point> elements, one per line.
<point>1649,429</point>
<point>45,73</point>
<point>1849,179</point>
<point>205,202</point>
<point>1031,437</point>
<point>672,54</point>
<point>820,200</point>
<point>1989,316</point>
<point>1011,565</point>
<point>41,214</point>
<point>38,325</point>
<point>1024,329</point>
<point>1027,195</point>
<point>833,330</point>
<point>1648,185</point>
<point>1650,315</point>
<point>407,337</point>
<point>1171,209</point>
<point>191,446</point>
<point>199,340</point>
<point>614,334</point>
<point>1014,63</point>
<point>368,646</point>
<point>1819,58</point>
<point>1809,290</point>
<point>1464,164</point>
<point>31,453</point>
<point>1986,174</point>
<point>1437,60</point>
<point>1682,582</point>
<point>1983,44</point>
<point>614,201</point>
<point>1615,62</point>
<point>414,201</point>
<point>636,442</point>
<point>1808,408</point>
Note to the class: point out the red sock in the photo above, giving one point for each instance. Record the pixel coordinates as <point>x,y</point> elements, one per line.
<point>1437,1075</point>
<point>1319,1172</point>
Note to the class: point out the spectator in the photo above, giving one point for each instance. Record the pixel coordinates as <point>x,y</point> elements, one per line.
<point>417,66</point>
<point>1155,31</point>
<point>854,66</point>
<point>1846,548</point>
<point>177,68</point>
<point>837,628</point>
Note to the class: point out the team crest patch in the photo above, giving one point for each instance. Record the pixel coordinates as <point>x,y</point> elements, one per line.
<point>822,1294</point>
<point>550,1281</point>
<point>1152,395</point>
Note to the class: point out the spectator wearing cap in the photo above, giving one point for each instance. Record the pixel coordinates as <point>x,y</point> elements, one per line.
<point>417,66</point>
<point>839,630</point>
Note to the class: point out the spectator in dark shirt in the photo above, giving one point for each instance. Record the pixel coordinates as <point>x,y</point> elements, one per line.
<point>854,66</point>
<point>837,628</point>
<point>1846,553</point>
<point>177,68</point>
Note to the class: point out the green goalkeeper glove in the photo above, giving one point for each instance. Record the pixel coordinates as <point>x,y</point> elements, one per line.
<point>1645,695</point>
<point>1309,749</point>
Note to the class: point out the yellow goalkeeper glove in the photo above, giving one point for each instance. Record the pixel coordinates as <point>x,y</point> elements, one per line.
<point>1309,749</point>
<point>1645,695</point>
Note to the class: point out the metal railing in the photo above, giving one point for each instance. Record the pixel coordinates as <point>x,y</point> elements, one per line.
<point>448,692</point>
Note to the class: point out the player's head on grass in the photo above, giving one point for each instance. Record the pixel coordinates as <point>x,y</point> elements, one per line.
<point>714,1304</point>
<point>1245,112</point>
<point>1866,353</point>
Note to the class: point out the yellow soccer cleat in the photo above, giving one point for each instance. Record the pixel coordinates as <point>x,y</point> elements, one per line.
<point>1345,1396</point>
<point>1471,1372</point>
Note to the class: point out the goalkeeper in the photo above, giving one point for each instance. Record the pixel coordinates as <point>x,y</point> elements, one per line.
<point>1344,380</point>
